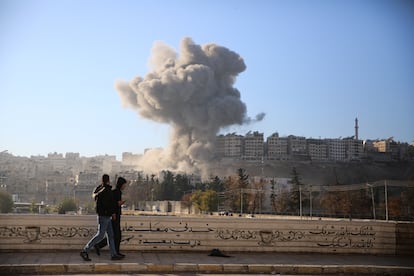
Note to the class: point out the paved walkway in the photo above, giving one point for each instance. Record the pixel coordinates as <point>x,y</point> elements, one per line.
<point>190,263</point>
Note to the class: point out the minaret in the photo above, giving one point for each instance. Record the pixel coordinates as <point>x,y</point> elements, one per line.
<point>356,128</point>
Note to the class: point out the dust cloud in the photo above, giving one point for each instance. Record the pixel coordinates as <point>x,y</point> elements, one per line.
<point>194,93</point>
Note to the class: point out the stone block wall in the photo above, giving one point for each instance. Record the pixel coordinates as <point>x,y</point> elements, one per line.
<point>404,239</point>
<point>203,233</point>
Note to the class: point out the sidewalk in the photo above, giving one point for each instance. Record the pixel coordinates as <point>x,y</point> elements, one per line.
<point>69,262</point>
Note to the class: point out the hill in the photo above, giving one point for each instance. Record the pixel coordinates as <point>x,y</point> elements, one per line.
<point>318,173</point>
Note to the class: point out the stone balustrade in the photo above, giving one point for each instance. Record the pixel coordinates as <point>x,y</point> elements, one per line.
<point>203,233</point>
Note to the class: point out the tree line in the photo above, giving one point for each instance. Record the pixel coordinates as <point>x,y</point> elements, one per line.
<point>239,194</point>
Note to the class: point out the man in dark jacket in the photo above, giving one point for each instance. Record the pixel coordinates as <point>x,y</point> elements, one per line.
<point>105,207</point>
<point>121,183</point>
<point>117,193</point>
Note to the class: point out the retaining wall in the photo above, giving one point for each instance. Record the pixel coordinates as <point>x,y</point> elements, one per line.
<point>231,234</point>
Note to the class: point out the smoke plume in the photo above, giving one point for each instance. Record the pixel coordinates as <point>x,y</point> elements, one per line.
<point>192,92</point>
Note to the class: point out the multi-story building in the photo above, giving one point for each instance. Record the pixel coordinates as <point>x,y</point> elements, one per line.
<point>130,159</point>
<point>317,149</point>
<point>354,149</point>
<point>233,145</point>
<point>277,147</point>
<point>336,149</point>
<point>219,146</point>
<point>229,146</point>
<point>57,186</point>
<point>73,162</point>
<point>87,182</point>
<point>395,149</point>
<point>16,175</point>
<point>100,163</point>
<point>382,145</point>
<point>54,177</point>
<point>368,146</point>
<point>297,147</point>
<point>57,161</point>
<point>253,146</point>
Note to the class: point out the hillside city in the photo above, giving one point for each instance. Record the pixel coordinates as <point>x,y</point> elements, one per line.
<point>50,179</point>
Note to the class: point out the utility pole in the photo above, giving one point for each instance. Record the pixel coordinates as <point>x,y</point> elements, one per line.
<point>386,200</point>
<point>241,201</point>
<point>373,200</point>
<point>310,201</point>
<point>46,189</point>
<point>300,201</point>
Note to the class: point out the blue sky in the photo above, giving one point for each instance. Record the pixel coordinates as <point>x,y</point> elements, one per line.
<point>312,67</point>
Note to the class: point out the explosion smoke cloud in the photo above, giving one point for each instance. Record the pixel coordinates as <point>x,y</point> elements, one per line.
<point>192,92</point>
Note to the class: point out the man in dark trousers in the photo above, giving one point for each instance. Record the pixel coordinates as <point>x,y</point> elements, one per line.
<point>121,184</point>
<point>105,207</point>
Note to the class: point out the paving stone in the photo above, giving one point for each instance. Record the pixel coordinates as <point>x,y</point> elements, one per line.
<point>185,267</point>
<point>160,267</point>
<point>51,268</point>
<point>239,268</point>
<point>260,268</point>
<point>107,268</point>
<point>69,262</point>
<point>80,268</point>
<point>208,268</point>
<point>133,267</point>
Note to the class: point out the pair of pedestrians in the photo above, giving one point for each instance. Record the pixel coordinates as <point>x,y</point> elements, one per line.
<point>108,208</point>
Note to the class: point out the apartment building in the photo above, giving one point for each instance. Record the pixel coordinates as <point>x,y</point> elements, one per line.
<point>87,182</point>
<point>317,149</point>
<point>354,149</point>
<point>336,149</point>
<point>229,146</point>
<point>391,148</point>
<point>277,147</point>
<point>74,162</point>
<point>297,147</point>
<point>57,186</point>
<point>57,161</point>
<point>130,159</point>
<point>219,146</point>
<point>253,146</point>
<point>381,145</point>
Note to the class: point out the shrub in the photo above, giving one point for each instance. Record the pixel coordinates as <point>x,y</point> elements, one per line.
<point>6,202</point>
<point>67,205</point>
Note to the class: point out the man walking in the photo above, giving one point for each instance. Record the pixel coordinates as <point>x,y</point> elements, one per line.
<point>105,208</point>
<point>121,184</point>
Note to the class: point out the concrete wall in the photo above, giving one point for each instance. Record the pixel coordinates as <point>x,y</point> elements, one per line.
<point>203,233</point>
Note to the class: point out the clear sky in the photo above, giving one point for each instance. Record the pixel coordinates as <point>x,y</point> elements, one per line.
<point>312,67</point>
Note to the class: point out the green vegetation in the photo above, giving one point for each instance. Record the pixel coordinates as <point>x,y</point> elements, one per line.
<point>6,202</point>
<point>238,193</point>
<point>205,201</point>
<point>67,205</point>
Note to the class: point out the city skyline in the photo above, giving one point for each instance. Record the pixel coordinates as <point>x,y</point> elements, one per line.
<point>119,155</point>
<point>312,68</point>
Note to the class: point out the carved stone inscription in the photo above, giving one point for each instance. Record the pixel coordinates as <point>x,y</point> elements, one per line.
<point>158,233</point>
<point>147,234</point>
<point>32,234</point>
<point>345,237</point>
<point>323,236</point>
<point>153,234</point>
